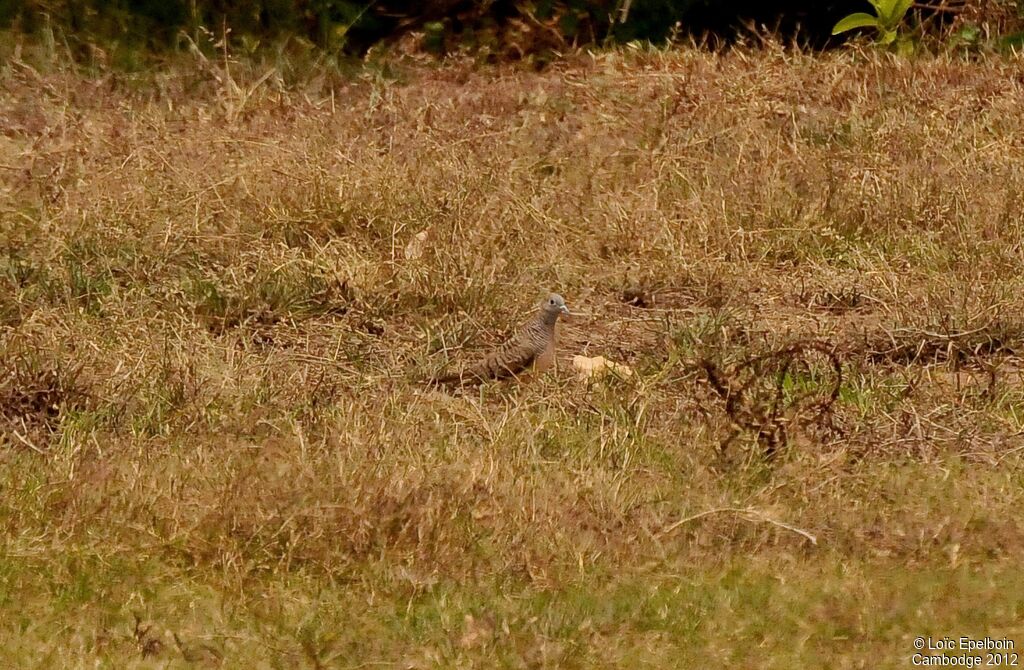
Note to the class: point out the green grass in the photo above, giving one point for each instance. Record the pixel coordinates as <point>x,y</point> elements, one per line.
<point>747,612</point>
<point>218,312</point>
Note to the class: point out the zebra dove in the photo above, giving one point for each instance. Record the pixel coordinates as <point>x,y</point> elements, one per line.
<point>533,347</point>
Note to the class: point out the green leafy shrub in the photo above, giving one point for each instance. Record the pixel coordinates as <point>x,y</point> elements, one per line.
<point>888,18</point>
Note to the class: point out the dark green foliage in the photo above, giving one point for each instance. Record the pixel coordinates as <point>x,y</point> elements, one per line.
<point>353,26</point>
<point>157,23</point>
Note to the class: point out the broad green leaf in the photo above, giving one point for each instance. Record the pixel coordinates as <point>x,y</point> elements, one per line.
<point>969,34</point>
<point>902,7</point>
<point>856,20</point>
<point>887,37</point>
<point>880,6</point>
<point>893,11</point>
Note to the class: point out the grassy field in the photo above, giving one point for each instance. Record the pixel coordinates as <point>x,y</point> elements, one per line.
<point>220,293</point>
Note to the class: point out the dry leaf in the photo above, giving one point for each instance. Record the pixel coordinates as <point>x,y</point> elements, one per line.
<point>589,367</point>
<point>414,249</point>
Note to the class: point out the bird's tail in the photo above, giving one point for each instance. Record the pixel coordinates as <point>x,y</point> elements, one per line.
<point>446,379</point>
<point>456,378</point>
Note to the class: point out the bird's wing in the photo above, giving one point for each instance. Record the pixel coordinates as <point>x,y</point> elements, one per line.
<point>511,359</point>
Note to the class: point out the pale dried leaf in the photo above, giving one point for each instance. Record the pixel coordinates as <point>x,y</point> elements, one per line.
<point>587,367</point>
<point>414,249</point>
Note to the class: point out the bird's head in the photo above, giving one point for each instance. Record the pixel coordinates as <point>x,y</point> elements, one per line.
<point>554,305</point>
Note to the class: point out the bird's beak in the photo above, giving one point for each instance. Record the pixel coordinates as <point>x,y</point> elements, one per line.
<point>565,310</point>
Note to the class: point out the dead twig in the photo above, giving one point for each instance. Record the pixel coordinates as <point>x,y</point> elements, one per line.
<point>24,440</point>
<point>767,416</point>
<point>745,513</point>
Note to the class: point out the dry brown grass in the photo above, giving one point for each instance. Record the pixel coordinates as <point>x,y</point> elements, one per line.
<point>212,342</point>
